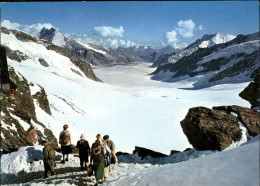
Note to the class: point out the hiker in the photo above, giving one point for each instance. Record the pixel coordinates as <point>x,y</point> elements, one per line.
<point>48,162</point>
<point>107,151</point>
<point>84,151</point>
<point>97,156</point>
<point>112,147</point>
<point>65,142</point>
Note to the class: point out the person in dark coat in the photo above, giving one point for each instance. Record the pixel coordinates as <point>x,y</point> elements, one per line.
<point>97,155</point>
<point>84,151</point>
<point>48,163</point>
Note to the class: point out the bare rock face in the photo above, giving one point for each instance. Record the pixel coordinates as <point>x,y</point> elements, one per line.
<point>247,116</point>
<point>143,152</point>
<point>18,116</point>
<point>252,92</point>
<point>208,129</point>
<point>42,100</point>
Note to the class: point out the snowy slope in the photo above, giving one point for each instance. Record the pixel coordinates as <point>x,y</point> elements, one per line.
<point>238,166</point>
<point>124,106</point>
<point>246,47</point>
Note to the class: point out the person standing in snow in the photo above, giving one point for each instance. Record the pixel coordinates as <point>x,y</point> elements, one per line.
<point>112,147</point>
<point>48,163</point>
<point>84,151</point>
<point>97,156</point>
<point>65,142</point>
<point>106,150</point>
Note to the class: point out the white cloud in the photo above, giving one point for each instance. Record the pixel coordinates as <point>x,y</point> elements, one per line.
<point>108,42</point>
<point>171,36</point>
<point>185,28</point>
<point>33,29</point>
<point>8,24</point>
<point>107,31</point>
<point>200,27</point>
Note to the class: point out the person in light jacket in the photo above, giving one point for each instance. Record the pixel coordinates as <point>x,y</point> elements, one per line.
<point>112,147</point>
<point>65,142</point>
<point>84,151</point>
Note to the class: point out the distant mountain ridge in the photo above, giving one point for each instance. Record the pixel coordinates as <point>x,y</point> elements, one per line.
<point>92,54</point>
<point>151,53</point>
<point>211,40</point>
<point>235,61</point>
<point>207,40</point>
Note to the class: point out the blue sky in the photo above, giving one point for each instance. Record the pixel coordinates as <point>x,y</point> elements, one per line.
<point>138,22</point>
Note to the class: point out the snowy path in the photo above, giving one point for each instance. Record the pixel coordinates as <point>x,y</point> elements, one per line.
<point>239,166</point>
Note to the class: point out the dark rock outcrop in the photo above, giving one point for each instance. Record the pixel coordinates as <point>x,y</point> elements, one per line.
<point>16,55</point>
<point>121,153</point>
<point>208,129</point>
<point>247,116</point>
<point>252,92</point>
<point>174,151</point>
<point>43,62</point>
<point>143,152</point>
<point>42,99</point>
<point>19,113</point>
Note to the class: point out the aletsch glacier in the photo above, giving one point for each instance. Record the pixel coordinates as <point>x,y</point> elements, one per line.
<point>133,109</point>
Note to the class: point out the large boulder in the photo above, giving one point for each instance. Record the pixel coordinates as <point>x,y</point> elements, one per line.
<point>208,129</point>
<point>143,152</point>
<point>252,92</point>
<point>247,116</point>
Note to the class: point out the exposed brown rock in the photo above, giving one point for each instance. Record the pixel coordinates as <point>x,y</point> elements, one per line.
<point>247,116</point>
<point>252,92</point>
<point>43,101</point>
<point>21,108</point>
<point>208,129</point>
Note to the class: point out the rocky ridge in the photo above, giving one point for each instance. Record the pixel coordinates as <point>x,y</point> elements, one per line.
<point>235,61</point>
<point>88,53</point>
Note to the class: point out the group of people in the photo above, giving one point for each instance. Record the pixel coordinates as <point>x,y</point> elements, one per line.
<point>101,154</point>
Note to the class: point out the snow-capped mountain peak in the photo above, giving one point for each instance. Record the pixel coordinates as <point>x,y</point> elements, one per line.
<point>209,40</point>
<point>53,35</point>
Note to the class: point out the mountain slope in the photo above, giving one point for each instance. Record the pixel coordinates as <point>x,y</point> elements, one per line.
<point>92,54</point>
<point>232,62</point>
<point>31,105</point>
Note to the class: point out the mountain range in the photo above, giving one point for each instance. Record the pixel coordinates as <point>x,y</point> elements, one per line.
<point>207,40</point>
<point>92,54</point>
<point>234,61</point>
